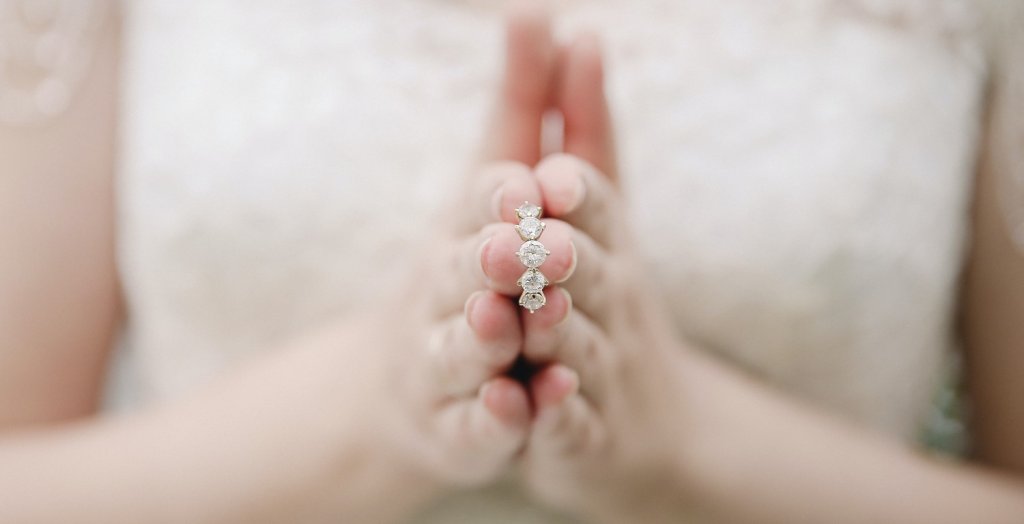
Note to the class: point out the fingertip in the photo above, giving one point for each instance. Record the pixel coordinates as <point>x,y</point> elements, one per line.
<point>573,260</point>
<point>500,263</point>
<point>561,262</point>
<point>552,385</point>
<point>555,311</point>
<point>470,306</point>
<point>587,59</point>
<point>561,180</point>
<point>491,316</point>
<point>530,48</point>
<point>524,15</point>
<point>484,254</point>
<point>584,104</point>
<point>526,90</point>
<point>507,401</point>
<point>520,187</point>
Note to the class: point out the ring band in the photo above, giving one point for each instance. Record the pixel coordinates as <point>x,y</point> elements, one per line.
<point>532,254</point>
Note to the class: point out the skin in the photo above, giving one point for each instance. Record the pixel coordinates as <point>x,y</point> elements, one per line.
<point>635,425</point>
<point>623,422</point>
<point>285,437</point>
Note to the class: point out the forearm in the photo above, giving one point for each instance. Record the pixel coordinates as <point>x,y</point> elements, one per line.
<point>755,456</point>
<point>269,443</point>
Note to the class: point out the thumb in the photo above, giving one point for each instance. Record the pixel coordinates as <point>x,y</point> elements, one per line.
<point>581,99</point>
<point>525,91</point>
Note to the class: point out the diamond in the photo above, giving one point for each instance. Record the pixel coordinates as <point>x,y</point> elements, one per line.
<point>532,301</point>
<point>530,228</point>
<point>532,253</point>
<point>528,210</point>
<point>532,281</point>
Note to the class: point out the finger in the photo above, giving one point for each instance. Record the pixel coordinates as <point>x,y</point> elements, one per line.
<point>561,334</point>
<point>493,194</point>
<point>566,424</point>
<point>577,263</point>
<point>592,286</point>
<point>461,269</point>
<point>489,260</point>
<point>581,99</point>
<point>502,266</point>
<point>469,349</point>
<point>526,89</point>
<point>485,432</point>
<point>577,193</point>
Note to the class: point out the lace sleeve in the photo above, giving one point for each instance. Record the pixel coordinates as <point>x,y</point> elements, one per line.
<point>46,49</point>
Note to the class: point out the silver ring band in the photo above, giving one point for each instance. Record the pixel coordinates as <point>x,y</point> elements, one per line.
<point>532,254</point>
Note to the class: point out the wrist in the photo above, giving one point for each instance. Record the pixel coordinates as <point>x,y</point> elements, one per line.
<point>309,429</point>
<point>717,448</point>
<point>657,482</point>
<point>374,458</point>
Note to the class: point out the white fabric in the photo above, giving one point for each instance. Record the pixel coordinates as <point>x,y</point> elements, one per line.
<point>798,173</point>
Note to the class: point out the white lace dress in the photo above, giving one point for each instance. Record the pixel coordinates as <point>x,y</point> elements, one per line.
<point>798,172</point>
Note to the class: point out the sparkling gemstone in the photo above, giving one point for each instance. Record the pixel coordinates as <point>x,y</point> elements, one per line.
<point>528,210</point>
<point>532,281</point>
<point>532,301</point>
<point>530,228</point>
<point>532,253</point>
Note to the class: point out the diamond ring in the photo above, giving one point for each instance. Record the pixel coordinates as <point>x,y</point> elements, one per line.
<point>532,254</point>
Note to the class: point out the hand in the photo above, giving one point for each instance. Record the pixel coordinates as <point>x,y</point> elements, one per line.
<point>606,417</point>
<point>459,417</point>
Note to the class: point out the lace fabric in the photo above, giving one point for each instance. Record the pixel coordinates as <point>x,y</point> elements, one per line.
<point>46,48</point>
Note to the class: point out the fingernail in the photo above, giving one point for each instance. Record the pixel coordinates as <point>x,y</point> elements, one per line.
<point>568,308</point>
<point>482,255</point>
<point>471,306</point>
<point>572,264</point>
<point>579,193</point>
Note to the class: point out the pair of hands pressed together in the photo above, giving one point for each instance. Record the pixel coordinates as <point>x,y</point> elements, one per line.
<point>371,417</point>
<point>588,422</point>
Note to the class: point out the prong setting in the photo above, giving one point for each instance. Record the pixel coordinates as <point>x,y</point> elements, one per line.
<point>528,210</point>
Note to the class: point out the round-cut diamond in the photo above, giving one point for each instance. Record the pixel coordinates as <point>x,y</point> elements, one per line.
<point>532,301</point>
<point>528,210</point>
<point>532,254</point>
<point>532,281</point>
<point>530,228</point>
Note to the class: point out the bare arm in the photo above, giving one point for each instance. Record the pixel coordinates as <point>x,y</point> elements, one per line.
<point>274,442</point>
<point>58,289</point>
<point>364,421</point>
<point>842,475</point>
<point>288,438</point>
